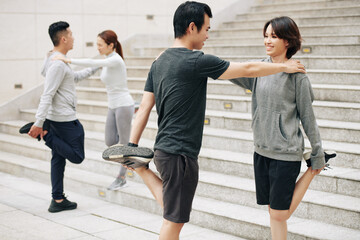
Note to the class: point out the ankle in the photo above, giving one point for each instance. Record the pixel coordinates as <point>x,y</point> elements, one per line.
<point>59,200</point>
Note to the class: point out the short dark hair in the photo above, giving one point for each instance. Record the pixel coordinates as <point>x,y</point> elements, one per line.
<point>55,30</point>
<point>285,28</point>
<point>188,12</point>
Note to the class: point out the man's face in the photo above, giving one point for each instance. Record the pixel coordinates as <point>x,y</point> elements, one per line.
<point>201,36</point>
<point>69,39</point>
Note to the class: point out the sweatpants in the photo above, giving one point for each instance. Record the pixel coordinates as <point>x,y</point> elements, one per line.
<point>66,141</point>
<point>118,127</point>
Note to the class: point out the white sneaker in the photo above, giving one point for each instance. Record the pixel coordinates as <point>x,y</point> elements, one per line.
<point>117,184</point>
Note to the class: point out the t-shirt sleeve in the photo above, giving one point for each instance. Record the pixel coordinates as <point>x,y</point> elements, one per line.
<point>149,87</point>
<point>211,66</point>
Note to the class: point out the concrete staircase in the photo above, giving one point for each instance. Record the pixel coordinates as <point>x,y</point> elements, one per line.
<point>225,199</point>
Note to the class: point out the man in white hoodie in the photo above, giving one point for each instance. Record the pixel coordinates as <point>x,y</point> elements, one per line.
<point>56,120</point>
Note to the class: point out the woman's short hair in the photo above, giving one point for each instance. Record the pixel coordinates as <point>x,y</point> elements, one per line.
<point>285,28</point>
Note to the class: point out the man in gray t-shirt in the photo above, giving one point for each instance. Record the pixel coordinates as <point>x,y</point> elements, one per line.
<point>177,85</point>
<point>180,97</point>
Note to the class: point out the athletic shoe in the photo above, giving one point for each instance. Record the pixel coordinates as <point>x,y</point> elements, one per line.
<point>117,184</point>
<point>26,128</point>
<point>133,157</point>
<point>62,206</point>
<point>328,156</point>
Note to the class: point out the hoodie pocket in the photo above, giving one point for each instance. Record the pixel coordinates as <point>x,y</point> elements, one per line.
<point>268,130</point>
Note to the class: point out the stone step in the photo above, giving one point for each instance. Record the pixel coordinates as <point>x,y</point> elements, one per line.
<point>289,6</point>
<point>99,94</point>
<point>205,211</point>
<point>347,132</point>
<point>304,29</point>
<point>340,180</point>
<point>233,100</point>
<point>241,191</point>
<point>310,61</point>
<point>24,208</point>
<point>310,12</point>
<point>322,76</point>
<point>324,49</point>
<point>322,92</point>
<point>329,130</point>
<point>329,49</point>
<point>300,21</point>
<point>308,39</point>
<point>242,141</point>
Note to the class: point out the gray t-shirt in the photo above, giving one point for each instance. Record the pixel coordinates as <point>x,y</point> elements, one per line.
<point>178,79</point>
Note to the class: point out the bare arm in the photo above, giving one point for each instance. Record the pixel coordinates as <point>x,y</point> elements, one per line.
<point>142,116</point>
<point>260,69</point>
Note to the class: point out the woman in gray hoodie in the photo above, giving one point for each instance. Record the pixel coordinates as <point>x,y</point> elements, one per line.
<point>280,102</point>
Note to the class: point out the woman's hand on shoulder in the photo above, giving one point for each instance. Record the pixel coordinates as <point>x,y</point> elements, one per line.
<point>62,58</point>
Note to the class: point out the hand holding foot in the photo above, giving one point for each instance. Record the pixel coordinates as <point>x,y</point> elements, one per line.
<point>36,131</point>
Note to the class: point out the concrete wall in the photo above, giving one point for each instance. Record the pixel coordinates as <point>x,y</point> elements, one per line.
<point>24,24</point>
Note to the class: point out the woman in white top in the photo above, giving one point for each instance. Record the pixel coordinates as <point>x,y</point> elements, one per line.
<point>120,102</point>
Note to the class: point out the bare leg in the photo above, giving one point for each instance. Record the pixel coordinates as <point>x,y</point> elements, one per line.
<point>170,230</point>
<point>153,182</point>
<point>278,218</point>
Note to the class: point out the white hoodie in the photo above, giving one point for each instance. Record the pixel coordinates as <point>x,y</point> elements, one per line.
<point>58,101</point>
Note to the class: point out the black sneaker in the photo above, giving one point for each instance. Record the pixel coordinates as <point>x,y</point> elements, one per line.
<point>328,156</point>
<point>133,157</point>
<point>26,128</point>
<point>62,206</point>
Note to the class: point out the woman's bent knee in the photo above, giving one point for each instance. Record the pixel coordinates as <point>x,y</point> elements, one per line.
<point>279,215</point>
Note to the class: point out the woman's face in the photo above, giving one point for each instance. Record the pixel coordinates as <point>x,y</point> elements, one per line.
<point>103,47</point>
<point>275,47</point>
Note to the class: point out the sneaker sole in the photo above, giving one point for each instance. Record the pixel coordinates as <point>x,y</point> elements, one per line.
<point>60,210</point>
<point>130,156</point>
<point>118,188</point>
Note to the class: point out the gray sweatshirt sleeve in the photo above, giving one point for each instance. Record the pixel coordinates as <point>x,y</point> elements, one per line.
<point>85,73</point>
<point>304,99</point>
<point>246,83</point>
<point>53,79</point>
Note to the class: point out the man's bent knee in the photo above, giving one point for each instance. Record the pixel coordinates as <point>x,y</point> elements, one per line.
<point>77,159</point>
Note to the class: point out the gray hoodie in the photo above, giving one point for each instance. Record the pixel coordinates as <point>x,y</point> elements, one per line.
<point>279,103</point>
<point>58,101</point>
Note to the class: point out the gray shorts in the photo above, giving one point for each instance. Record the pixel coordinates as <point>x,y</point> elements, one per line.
<point>180,175</point>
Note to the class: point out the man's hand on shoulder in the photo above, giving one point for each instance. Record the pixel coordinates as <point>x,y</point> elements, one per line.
<point>293,66</point>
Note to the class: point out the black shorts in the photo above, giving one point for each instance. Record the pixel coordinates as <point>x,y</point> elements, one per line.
<point>180,175</point>
<point>275,181</point>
